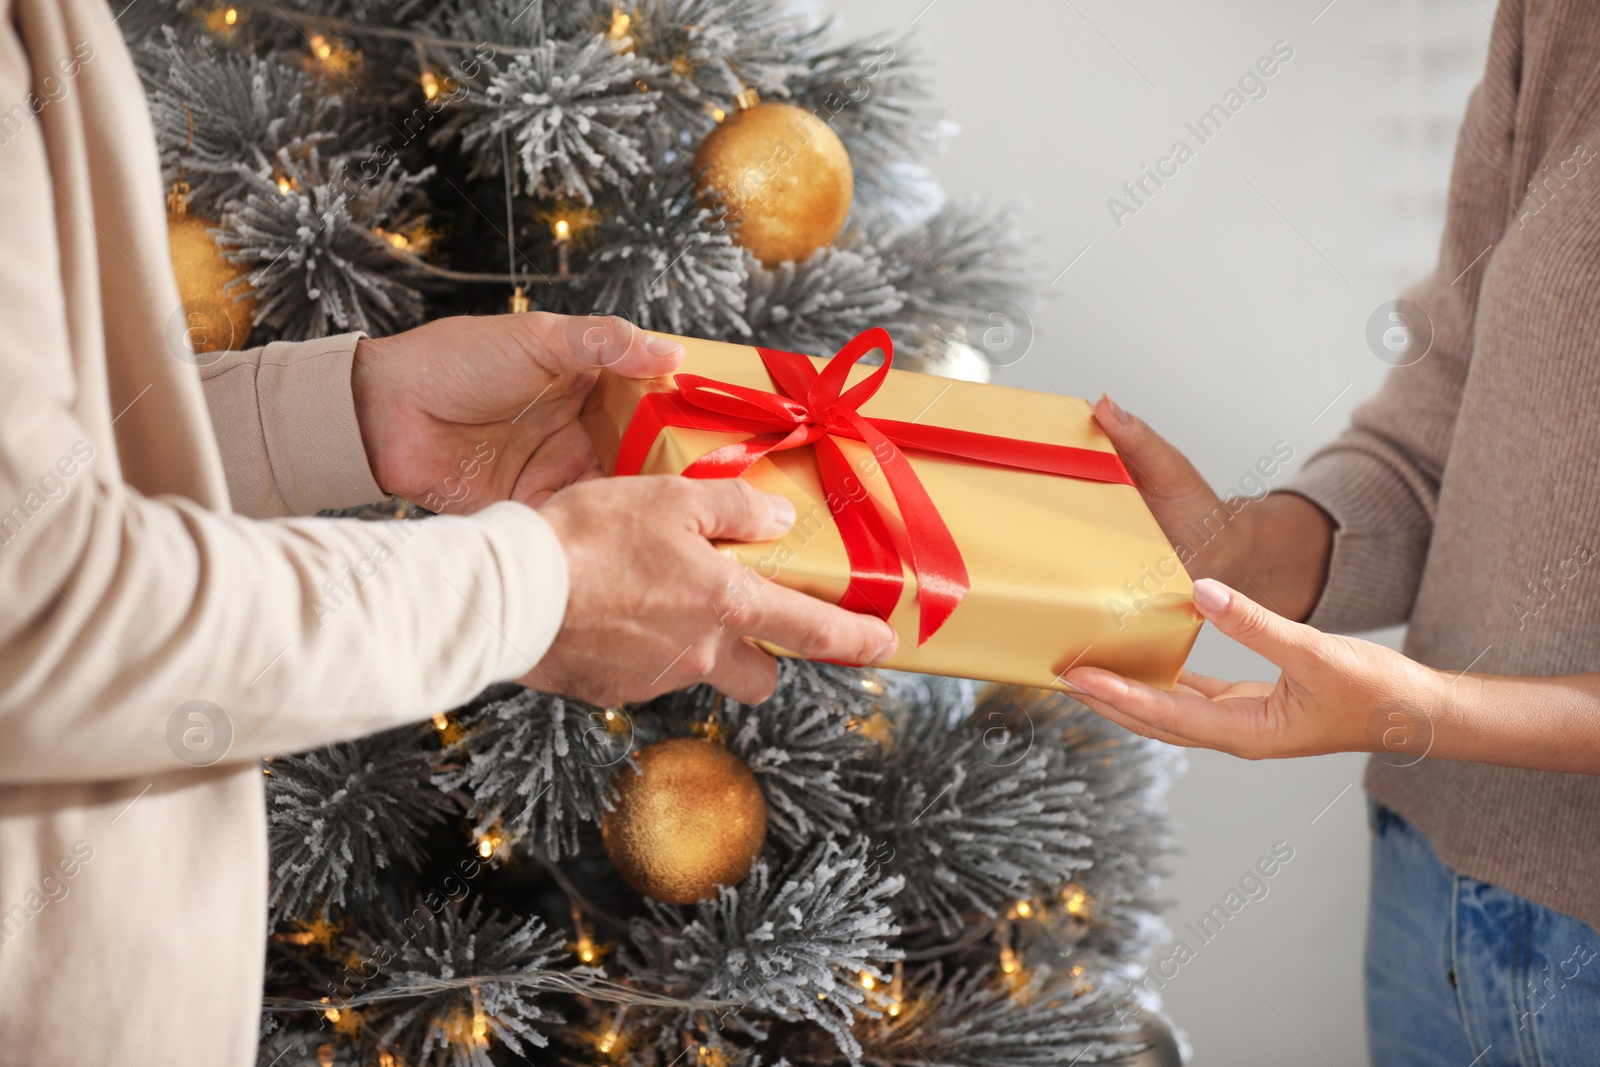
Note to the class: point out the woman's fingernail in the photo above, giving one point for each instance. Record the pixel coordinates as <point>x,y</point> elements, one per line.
<point>782,510</point>
<point>1116,410</point>
<point>660,346</point>
<point>1078,689</point>
<point>1211,596</point>
<point>886,650</point>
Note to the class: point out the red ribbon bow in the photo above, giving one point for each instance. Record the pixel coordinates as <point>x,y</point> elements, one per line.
<point>813,409</point>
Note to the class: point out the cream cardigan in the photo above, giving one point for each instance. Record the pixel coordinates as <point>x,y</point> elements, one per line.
<point>132,884</point>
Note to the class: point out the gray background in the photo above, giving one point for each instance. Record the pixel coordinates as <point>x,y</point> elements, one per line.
<point>1230,312</point>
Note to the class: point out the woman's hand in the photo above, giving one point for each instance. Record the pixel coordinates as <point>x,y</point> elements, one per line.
<point>1336,694</point>
<point>467,411</point>
<point>1277,546</point>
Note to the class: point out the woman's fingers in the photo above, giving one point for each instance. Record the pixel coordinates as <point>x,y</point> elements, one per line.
<point>1204,684</point>
<point>1244,718</point>
<point>1287,644</point>
<point>1130,723</point>
<point>1148,705</point>
<point>1184,718</point>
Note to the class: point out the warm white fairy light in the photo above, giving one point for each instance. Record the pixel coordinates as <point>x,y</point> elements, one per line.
<point>1076,901</point>
<point>582,945</point>
<point>619,31</point>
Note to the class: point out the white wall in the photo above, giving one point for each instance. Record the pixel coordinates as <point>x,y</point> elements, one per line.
<point>1230,312</point>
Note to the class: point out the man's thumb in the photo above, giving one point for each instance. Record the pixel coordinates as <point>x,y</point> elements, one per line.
<point>608,342</point>
<point>1252,625</point>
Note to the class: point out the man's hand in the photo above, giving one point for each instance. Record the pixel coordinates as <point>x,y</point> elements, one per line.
<point>1278,545</point>
<point>653,607</point>
<point>1336,694</point>
<point>466,411</point>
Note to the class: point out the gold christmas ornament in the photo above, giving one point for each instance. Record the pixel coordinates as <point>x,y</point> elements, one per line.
<point>783,176</point>
<point>213,320</point>
<point>692,819</point>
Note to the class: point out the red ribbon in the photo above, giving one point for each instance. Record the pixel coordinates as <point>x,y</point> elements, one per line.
<point>812,409</point>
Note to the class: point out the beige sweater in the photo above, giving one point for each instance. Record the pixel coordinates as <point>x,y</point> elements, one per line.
<point>132,885</point>
<point>1467,492</point>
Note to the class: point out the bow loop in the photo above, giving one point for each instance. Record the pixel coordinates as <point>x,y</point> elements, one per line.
<point>742,402</point>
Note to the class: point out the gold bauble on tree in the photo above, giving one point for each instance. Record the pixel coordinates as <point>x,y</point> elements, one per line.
<point>691,819</point>
<point>782,175</point>
<point>213,320</point>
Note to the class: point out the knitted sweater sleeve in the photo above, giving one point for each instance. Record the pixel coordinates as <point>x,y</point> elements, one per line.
<point>1379,480</point>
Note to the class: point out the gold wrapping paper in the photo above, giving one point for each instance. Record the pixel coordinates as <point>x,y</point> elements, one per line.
<point>1064,572</point>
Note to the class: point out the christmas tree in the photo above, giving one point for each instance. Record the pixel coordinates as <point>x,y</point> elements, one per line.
<point>900,869</point>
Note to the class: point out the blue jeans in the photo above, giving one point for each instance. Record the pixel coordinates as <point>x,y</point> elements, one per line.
<point>1463,974</point>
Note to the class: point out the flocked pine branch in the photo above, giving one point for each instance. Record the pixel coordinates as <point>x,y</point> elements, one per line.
<point>980,1020</point>
<point>570,111</point>
<point>450,1028</point>
<point>245,109</point>
<point>663,262</point>
<point>148,26</point>
<point>1126,777</point>
<point>497,23</point>
<point>961,256</point>
<point>708,46</point>
<point>816,306</point>
<point>317,264</point>
<point>806,760</point>
<point>342,817</point>
<point>537,767</point>
<point>975,818</point>
<point>786,946</point>
<point>283,1044</point>
<point>412,13</point>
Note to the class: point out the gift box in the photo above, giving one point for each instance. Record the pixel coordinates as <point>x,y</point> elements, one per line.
<point>995,528</point>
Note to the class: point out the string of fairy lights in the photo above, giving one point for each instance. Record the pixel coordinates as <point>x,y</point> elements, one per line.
<point>887,997</point>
